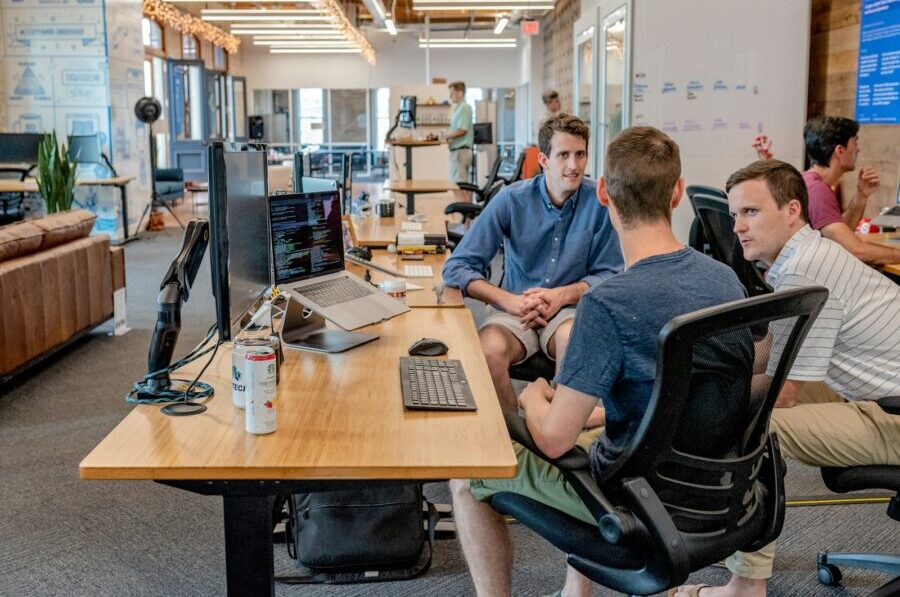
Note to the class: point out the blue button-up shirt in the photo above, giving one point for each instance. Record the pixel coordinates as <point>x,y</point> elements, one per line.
<point>544,245</point>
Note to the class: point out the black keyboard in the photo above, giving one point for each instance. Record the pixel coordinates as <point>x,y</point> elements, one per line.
<point>334,291</point>
<point>435,384</point>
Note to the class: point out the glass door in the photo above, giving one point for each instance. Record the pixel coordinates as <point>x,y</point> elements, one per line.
<point>188,127</point>
<point>614,73</point>
<point>584,81</point>
<point>237,92</point>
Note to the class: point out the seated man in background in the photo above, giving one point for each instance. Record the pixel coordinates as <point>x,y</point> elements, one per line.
<point>826,413</point>
<point>558,242</point>
<point>832,144</point>
<point>552,105</point>
<point>612,357</point>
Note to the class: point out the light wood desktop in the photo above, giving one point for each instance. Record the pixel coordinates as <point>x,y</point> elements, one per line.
<point>885,239</point>
<point>411,188</point>
<point>340,419</point>
<point>29,185</point>
<point>376,231</point>
<point>451,297</point>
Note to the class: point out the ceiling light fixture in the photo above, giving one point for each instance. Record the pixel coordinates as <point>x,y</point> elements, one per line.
<point>468,40</point>
<point>305,43</point>
<point>315,51</point>
<point>239,26</point>
<point>471,5</point>
<point>273,18</point>
<point>433,46</point>
<point>343,24</point>
<point>179,20</point>
<point>391,27</point>
<point>325,32</point>
<point>300,37</point>
<point>501,25</point>
<point>256,11</point>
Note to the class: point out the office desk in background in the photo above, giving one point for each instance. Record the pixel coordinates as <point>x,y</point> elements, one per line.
<point>121,182</point>
<point>340,419</point>
<point>411,188</point>
<point>452,297</point>
<point>378,232</point>
<point>409,145</point>
<point>885,239</point>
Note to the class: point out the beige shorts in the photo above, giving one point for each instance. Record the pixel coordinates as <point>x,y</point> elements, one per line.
<point>460,163</point>
<point>532,340</point>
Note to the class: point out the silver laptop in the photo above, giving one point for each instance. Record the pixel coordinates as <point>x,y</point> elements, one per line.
<point>890,218</point>
<point>306,235</point>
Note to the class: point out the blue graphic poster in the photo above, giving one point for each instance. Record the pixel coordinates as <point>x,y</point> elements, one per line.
<point>878,75</point>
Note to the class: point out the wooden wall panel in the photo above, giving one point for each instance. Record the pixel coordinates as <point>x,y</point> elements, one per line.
<point>834,54</point>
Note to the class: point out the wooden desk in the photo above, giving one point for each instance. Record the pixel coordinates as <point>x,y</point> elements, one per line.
<point>375,231</point>
<point>411,188</point>
<point>340,419</point>
<point>884,239</point>
<point>452,297</point>
<point>29,185</point>
<point>408,145</point>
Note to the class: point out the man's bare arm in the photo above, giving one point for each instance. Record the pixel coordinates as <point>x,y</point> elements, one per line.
<point>789,393</point>
<point>869,253</point>
<point>555,425</point>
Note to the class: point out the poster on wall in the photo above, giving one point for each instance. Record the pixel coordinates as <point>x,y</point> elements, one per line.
<point>878,72</point>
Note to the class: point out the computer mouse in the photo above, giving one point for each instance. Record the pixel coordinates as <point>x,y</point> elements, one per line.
<point>427,347</point>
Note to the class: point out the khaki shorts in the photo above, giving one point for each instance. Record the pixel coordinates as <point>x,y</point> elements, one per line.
<point>532,340</point>
<point>541,481</point>
<point>460,163</point>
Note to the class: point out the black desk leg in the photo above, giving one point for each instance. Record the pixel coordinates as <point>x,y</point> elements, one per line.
<point>124,211</point>
<point>409,163</point>
<point>410,204</point>
<point>249,561</point>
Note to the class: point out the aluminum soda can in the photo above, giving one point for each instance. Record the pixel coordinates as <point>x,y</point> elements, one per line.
<point>259,395</point>
<point>238,374</point>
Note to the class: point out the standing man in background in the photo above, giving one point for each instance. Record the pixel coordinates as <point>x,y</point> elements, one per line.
<point>460,138</point>
<point>550,97</point>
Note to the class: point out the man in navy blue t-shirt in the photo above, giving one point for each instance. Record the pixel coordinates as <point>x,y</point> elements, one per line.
<point>611,357</point>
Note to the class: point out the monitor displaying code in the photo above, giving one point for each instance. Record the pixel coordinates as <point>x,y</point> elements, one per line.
<point>307,238</point>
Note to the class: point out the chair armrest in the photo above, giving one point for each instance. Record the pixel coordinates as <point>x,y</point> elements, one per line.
<point>574,459</point>
<point>890,404</point>
<point>466,210</point>
<point>170,174</point>
<point>467,186</point>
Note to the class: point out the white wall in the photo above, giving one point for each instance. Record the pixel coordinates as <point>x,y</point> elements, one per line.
<point>399,61</point>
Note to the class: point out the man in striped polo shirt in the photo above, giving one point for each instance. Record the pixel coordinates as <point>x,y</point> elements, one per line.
<point>826,413</point>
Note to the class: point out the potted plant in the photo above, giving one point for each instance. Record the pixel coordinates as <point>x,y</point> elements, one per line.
<point>56,175</point>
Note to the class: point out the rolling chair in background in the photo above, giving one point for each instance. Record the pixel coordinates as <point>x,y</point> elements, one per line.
<point>12,205</point>
<point>469,211</point>
<point>662,513</point>
<point>854,478</point>
<point>711,210</point>
<point>518,169</point>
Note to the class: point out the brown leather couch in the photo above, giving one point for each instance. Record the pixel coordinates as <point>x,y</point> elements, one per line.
<point>56,284</point>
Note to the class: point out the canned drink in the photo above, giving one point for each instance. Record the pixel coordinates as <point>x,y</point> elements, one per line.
<point>259,399</point>
<point>238,373</point>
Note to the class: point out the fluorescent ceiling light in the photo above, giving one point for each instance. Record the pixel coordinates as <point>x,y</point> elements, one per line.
<point>290,31</point>
<point>256,11</point>
<point>304,44</point>
<point>265,18</point>
<point>466,46</point>
<point>239,26</point>
<point>468,40</point>
<point>391,27</point>
<point>473,6</point>
<point>300,37</point>
<point>315,51</point>
<point>501,25</point>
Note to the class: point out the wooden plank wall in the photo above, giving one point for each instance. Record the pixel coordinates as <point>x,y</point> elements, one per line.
<point>557,31</point>
<point>834,54</point>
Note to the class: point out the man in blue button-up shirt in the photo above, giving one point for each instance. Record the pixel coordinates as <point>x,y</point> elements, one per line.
<point>558,243</point>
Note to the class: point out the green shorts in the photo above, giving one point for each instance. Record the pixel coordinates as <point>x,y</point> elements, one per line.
<point>541,481</point>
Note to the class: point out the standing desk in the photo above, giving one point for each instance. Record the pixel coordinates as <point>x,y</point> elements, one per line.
<point>408,145</point>
<point>411,188</point>
<point>30,186</point>
<point>378,232</point>
<point>340,420</point>
<point>885,239</point>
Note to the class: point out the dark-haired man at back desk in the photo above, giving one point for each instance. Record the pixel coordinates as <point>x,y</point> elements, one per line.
<point>558,243</point>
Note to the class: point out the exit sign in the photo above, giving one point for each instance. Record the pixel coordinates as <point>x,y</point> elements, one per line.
<point>531,27</point>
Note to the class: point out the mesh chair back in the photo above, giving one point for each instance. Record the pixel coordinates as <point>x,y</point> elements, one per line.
<point>520,168</point>
<point>492,176</point>
<point>718,377</point>
<point>717,227</point>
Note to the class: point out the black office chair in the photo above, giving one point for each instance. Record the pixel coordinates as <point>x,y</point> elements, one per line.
<point>469,211</point>
<point>518,169</point>
<point>854,478</point>
<point>660,511</point>
<point>12,205</point>
<point>711,210</point>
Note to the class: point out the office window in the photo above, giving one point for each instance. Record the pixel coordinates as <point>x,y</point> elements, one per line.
<point>474,94</point>
<point>382,115</point>
<point>312,116</point>
<point>190,47</point>
<point>152,33</point>
<point>220,58</point>
<point>148,77</point>
<point>348,116</point>
<point>274,107</point>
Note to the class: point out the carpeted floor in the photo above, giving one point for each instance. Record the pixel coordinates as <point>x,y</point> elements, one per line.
<point>63,536</point>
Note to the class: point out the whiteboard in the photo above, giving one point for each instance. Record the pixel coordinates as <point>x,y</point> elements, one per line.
<point>713,74</point>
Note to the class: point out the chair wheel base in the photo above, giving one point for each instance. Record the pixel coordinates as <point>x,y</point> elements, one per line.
<point>829,575</point>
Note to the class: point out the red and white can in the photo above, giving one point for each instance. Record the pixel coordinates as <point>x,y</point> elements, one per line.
<point>259,398</point>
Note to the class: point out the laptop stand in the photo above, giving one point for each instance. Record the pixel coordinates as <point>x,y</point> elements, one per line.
<point>304,329</point>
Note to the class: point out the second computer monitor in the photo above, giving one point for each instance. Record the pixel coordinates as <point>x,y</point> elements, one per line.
<point>85,149</point>
<point>19,148</point>
<point>408,111</point>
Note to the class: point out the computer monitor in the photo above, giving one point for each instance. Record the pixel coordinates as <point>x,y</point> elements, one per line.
<point>347,184</point>
<point>307,236</point>
<point>19,148</point>
<point>483,133</point>
<point>302,166</point>
<point>408,111</point>
<point>85,149</point>
<point>239,235</point>
<point>308,184</point>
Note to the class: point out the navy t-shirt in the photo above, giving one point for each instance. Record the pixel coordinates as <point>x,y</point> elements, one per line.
<point>613,348</point>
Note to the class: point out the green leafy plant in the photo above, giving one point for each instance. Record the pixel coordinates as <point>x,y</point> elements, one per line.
<point>56,175</point>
